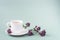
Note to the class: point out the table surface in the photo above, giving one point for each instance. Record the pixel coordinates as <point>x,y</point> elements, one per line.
<point>44,13</point>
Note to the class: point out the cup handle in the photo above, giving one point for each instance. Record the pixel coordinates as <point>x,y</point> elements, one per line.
<point>8,24</point>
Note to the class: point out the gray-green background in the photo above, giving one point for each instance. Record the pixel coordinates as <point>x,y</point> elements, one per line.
<point>39,12</point>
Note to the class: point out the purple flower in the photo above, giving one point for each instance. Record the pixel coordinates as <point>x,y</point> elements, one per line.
<point>28,24</point>
<point>42,33</point>
<point>30,32</point>
<point>9,31</point>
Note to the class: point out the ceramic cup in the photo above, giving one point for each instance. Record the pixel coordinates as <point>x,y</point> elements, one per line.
<point>16,27</point>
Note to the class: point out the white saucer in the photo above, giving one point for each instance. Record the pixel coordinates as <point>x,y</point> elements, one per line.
<point>20,33</point>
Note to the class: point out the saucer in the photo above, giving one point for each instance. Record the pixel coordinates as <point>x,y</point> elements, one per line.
<point>25,31</point>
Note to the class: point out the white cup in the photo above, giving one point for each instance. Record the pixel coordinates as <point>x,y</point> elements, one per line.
<point>17,27</point>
